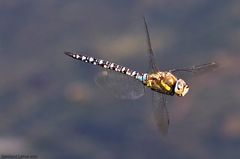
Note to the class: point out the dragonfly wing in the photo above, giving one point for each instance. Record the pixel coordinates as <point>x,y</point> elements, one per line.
<point>197,69</point>
<point>152,64</point>
<point>159,100</point>
<point>120,85</point>
<point>160,112</point>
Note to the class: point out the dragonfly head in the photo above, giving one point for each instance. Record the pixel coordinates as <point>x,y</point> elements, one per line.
<point>181,88</point>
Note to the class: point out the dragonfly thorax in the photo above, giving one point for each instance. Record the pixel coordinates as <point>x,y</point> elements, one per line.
<point>166,83</point>
<point>163,82</point>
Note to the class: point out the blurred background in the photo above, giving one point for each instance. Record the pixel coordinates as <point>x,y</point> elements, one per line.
<point>51,107</point>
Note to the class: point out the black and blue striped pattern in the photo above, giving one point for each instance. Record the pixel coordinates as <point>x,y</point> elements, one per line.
<point>108,65</point>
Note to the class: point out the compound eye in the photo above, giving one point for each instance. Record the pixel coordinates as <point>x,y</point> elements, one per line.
<point>179,86</point>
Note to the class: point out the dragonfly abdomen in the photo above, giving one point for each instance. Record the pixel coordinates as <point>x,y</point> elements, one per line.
<point>108,65</point>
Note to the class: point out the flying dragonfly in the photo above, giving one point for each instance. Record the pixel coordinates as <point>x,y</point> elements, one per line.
<point>126,83</point>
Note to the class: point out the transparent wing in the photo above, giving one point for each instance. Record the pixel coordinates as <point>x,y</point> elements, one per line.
<point>119,85</point>
<point>160,112</point>
<point>197,68</point>
<point>158,100</point>
<point>152,64</point>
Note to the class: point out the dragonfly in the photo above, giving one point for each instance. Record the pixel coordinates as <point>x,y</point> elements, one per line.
<point>126,83</point>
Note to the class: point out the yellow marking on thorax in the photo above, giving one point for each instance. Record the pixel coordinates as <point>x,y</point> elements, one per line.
<point>149,84</point>
<point>168,88</point>
<point>161,81</point>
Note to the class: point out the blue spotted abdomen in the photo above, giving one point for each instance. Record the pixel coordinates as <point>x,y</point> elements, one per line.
<point>109,65</point>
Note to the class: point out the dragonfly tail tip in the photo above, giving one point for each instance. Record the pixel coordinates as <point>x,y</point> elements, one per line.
<point>68,53</point>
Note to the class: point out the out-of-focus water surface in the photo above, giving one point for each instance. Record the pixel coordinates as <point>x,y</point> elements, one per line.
<point>51,107</point>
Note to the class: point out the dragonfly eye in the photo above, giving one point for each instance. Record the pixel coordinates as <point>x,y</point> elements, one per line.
<point>181,88</point>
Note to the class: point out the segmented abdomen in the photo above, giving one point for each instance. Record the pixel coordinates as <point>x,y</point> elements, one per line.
<point>108,65</point>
